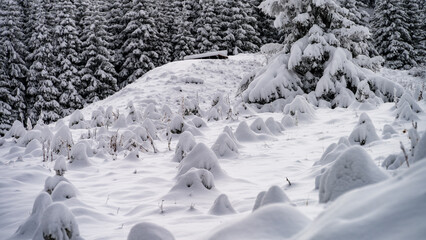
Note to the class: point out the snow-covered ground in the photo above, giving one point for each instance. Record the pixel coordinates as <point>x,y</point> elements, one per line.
<point>117,190</point>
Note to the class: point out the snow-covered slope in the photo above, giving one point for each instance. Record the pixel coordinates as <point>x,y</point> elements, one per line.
<point>116,178</point>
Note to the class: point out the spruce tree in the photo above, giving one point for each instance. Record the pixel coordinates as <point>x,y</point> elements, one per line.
<point>183,34</point>
<point>207,28</point>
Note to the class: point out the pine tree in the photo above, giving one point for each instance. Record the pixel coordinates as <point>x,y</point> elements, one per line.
<point>182,39</point>
<point>264,24</point>
<point>392,34</point>
<point>98,73</point>
<point>138,51</point>
<point>207,28</point>
<point>415,10</point>
<point>12,65</point>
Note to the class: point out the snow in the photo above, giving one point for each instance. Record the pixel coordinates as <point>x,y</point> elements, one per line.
<point>274,195</point>
<point>117,190</point>
<point>223,53</point>
<point>184,146</point>
<point>222,206</point>
<point>225,146</point>
<point>149,231</point>
<point>364,132</point>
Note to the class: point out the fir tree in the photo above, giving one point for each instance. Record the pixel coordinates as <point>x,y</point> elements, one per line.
<point>182,39</point>
<point>207,28</point>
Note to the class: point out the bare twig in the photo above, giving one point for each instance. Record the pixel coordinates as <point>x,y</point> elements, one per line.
<point>289,183</point>
<point>405,153</point>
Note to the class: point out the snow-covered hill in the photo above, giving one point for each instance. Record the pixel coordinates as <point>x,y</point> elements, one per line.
<point>121,172</point>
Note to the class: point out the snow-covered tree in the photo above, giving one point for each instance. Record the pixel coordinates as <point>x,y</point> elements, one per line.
<point>326,55</point>
<point>182,39</point>
<point>416,13</point>
<point>392,34</point>
<point>207,28</point>
<point>264,24</point>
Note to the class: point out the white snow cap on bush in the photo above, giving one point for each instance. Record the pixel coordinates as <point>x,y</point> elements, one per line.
<point>274,126</point>
<point>288,121</point>
<point>77,120</point>
<point>62,140</point>
<point>184,146</point>
<point>331,153</point>
<point>121,122</point>
<point>79,156</point>
<point>151,112</point>
<point>57,222</point>
<point>149,231</point>
<point>132,156</point>
<point>364,132</point>
<point>51,182</point>
<point>222,206</point>
<point>392,209</point>
<point>225,146</point>
<point>259,126</point>
<point>393,161</point>
<point>195,181</point>
<point>63,191</point>
<point>272,222</point>
<point>245,134</point>
<point>354,168</point>
<point>274,195</point>
<point>300,108</point>
<point>32,146</point>
<point>420,150</point>
<point>60,166</point>
<point>213,114</point>
<point>388,131</point>
<point>198,122</point>
<point>150,128</point>
<point>177,124</point>
<point>17,130</point>
<point>201,157</point>
<point>27,229</point>
<point>407,108</point>
<point>98,119</point>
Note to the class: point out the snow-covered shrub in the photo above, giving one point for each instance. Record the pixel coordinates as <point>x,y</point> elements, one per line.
<point>63,191</point>
<point>177,125</point>
<point>407,108</point>
<point>225,146</point>
<point>420,150</point>
<point>149,231</point>
<point>222,105</point>
<point>30,136</point>
<point>213,114</point>
<point>132,156</point>
<point>16,131</point>
<point>331,153</point>
<point>62,141</point>
<point>166,112</point>
<point>354,168</point>
<point>151,112</point>
<point>32,146</point>
<point>300,109</point>
<point>274,126</point>
<point>121,122</point>
<point>288,121</point>
<point>134,115</point>
<point>222,206</point>
<point>274,195</point>
<point>259,126</point>
<point>388,131</point>
<point>229,131</point>
<point>52,182</point>
<point>77,120</point>
<point>57,222</point>
<point>98,119</point>
<point>195,180</point>
<point>244,134</point>
<point>190,107</point>
<point>27,229</point>
<point>273,222</point>
<point>201,157</point>
<point>270,49</point>
<point>150,128</point>
<point>364,132</point>
<point>109,117</point>
<point>78,156</point>
<point>184,146</point>
<point>198,122</point>
<point>60,166</point>
<point>393,161</point>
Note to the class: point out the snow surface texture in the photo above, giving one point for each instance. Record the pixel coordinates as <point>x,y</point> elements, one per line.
<point>119,190</point>
<point>354,168</point>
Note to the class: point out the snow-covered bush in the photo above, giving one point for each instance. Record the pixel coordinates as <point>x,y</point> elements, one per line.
<point>121,122</point>
<point>331,153</point>
<point>166,112</point>
<point>194,181</point>
<point>57,222</point>
<point>60,166</point>
<point>393,161</point>
<point>134,115</point>
<point>32,146</point>
<point>225,146</point>
<point>63,191</point>
<point>274,195</point>
<point>259,126</point>
<point>364,132</point>
<point>98,119</point>
<point>213,114</point>
<point>184,146</point>
<point>407,108</point>
<point>273,222</point>
<point>190,107</point>
<point>177,125</point>
<point>420,150</point>
<point>78,156</point>
<point>288,121</point>
<point>149,231</point>
<point>51,182</point>
<point>30,136</point>
<point>16,131</point>
<point>300,109</point>
<point>201,157</point>
<point>150,128</point>
<point>62,141</point>
<point>354,168</point>
<point>151,112</point>
<point>198,122</point>
<point>388,131</point>
<point>27,229</point>
<point>274,126</point>
<point>222,206</point>
<point>244,134</point>
<point>77,120</point>
<point>132,156</point>
<point>229,131</point>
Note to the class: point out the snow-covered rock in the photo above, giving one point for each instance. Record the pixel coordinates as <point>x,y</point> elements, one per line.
<point>184,146</point>
<point>272,222</point>
<point>288,121</point>
<point>364,132</point>
<point>33,145</point>
<point>222,206</point>
<point>388,131</point>
<point>353,169</point>
<point>225,146</point>
<point>149,231</point>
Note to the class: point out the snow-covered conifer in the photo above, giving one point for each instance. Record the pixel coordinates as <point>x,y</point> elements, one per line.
<point>364,132</point>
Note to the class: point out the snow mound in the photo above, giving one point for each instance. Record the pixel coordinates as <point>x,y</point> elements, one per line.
<point>27,229</point>
<point>121,122</point>
<point>51,182</point>
<point>393,161</point>
<point>16,131</point>
<point>132,156</point>
<point>63,191</point>
<point>274,126</point>
<point>407,108</point>
<point>259,126</point>
<point>198,122</point>
<point>184,146</point>
<point>225,146</point>
<point>77,120</point>
<point>32,146</point>
<point>331,153</point>
<point>274,195</point>
<point>222,206</point>
<point>364,132</point>
<point>177,125</point>
<point>62,141</point>
<point>194,181</point>
<point>245,134</point>
<point>201,157</point>
<point>300,109</point>
<point>149,231</point>
<point>420,150</point>
<point>354,168</point>
<point>57,222</point>
<point>273,222</point>
<point>288,121</point>
<point>60,166</point>
<point>392,209</point>
<point>388,131</point>
<point>78,156</point>
<point>230,133</point>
